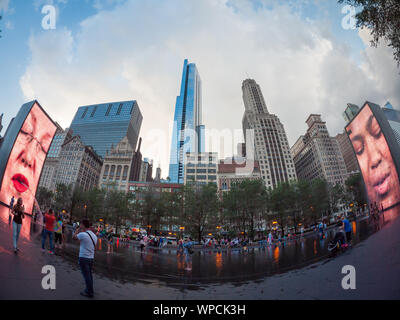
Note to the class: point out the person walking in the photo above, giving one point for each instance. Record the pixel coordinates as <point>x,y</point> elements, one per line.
<point>58,231</point>
<point>18,212</point>
<point>87,245</point>
<point>48,230</point>
<point>11,208</point>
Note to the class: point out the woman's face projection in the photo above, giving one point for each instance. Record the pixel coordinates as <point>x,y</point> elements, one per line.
<point>375,160</point>
<point>25,163</point>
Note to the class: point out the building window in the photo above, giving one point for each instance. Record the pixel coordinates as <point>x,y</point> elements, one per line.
<point>112,172</point>
<point>125,174</point>
<point>119,109</point>
<point>109,109</point>
<point>94,111</point>
<point>84,113</point>
<point>119,169</point>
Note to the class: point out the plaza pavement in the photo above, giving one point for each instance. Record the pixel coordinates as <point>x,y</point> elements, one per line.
<point>376,260</point>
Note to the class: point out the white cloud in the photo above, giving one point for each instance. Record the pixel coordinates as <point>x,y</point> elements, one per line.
<point>136,51</point>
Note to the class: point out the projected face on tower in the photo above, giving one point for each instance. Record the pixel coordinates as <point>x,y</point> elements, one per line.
<point>26,159</point>
<point>375,159</point>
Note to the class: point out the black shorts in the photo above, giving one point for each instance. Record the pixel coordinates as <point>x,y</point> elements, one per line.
<point>57,237</point>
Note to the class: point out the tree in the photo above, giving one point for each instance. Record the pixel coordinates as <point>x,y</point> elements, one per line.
<point>201,208</point>
<point>62,197</point>
<point>118,207</point>
<point>319,199</point>
<point>337,196</point>
<point>382,17</point>
<point>93,200</point>
<point>355,188</point>
<point>280,201</point>
<point>44,197</point>
<point>253,195</point>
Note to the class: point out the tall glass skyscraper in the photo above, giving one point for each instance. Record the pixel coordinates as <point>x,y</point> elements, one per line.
<point>103,126</point>
<point>188,133</point>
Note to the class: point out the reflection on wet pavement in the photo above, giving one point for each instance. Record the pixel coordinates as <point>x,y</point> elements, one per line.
<point>127,263</point>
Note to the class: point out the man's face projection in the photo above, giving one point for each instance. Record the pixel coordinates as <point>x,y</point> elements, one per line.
<point>26,160</point>
<point>375,160</point>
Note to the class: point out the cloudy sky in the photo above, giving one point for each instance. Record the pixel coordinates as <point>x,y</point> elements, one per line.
<point>113,50</point>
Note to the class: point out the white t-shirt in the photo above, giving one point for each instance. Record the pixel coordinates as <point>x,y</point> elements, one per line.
<point>86,249</point>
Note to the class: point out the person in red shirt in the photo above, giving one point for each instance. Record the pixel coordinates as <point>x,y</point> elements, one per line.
<point>50,220</point>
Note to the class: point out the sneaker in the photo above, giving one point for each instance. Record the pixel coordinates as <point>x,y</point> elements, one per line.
<point>15,251</point>
<point>43,250</point>
<point>51,252</point>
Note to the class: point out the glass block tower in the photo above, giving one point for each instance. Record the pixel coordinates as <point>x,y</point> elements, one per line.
<point>188,133</point>
<point>103,126</point>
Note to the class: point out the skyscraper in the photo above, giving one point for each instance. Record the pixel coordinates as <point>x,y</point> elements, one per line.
<point>103,126</point>
<point>271,147</point>
<point>188,133</point>
<point>317,155</point>
<point>350,112</point>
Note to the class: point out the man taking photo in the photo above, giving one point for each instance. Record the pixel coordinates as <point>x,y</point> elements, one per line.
<point>87,247</point>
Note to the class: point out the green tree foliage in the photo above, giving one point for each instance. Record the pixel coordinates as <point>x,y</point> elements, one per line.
<point>201,208</point>
<point>382,17</point>
<point>44,197</point>
<point>355,190</point>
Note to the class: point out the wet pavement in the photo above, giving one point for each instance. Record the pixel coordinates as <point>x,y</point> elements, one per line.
<point>376,259</point>
<point>127,263</point>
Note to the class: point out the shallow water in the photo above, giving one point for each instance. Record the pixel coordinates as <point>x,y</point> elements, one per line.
<point>126,262</point>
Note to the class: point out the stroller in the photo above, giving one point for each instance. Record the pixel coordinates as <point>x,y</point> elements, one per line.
<point>338,243</point>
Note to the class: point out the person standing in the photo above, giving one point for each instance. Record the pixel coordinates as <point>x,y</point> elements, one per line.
<point>11,208</point>
<point>87,248</point>
<point>58,230</point>
<point>48,231</point>
<point>347,229</point>
<point>110,239</point>
<point>188,251</point>
<point>18,212</point>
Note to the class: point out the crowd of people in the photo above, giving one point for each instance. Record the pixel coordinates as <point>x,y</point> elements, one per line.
<point>54,226</point>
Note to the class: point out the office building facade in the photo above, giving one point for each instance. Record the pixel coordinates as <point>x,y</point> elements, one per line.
<point>146,170</point>
<point>116,167</point>
<point>50,166</point>
<point>78,165</point>
<point>317,155</point>
<point>229,173</point>
<point>201,168</point>
<point>105,125</point>
<point>265,138</point>
<point>349,157</point>
<point>188,132</point>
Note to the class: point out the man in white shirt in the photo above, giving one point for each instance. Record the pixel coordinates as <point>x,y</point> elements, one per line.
<point>87,247</point>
